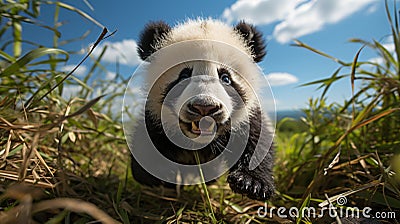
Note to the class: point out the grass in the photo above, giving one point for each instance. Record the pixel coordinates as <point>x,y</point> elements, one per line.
<point>65,160</point>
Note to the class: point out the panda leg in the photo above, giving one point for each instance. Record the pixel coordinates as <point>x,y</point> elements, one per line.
<point>256,184</point>
<point>142,176</point>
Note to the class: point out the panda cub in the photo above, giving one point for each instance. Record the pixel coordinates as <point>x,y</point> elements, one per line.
<point>202,108</point>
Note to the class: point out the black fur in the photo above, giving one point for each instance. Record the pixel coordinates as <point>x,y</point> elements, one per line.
<point>254,38</point>
<point>152,33</point>
<point>257,184</point>
<point>181,81</point>
<point>237,90</point>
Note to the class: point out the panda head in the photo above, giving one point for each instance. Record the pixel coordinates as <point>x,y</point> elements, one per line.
<point>202,75</point>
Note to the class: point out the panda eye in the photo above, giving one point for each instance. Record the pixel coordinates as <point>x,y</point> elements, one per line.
<point>185,73</point>
<point>225,78</point>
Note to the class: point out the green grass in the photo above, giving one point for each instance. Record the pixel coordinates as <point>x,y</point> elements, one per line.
<point>56,153</point>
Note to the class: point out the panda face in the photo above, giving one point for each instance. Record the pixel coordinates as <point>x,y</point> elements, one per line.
<point>202,76</point>
<point>205,97</point>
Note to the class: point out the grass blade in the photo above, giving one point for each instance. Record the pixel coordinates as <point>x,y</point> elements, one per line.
<point>303,45</point>
<point>204,186</point>
<point>80,12</point>
<point>353,75</point>
<point>85,107</point>
<point>30,56</point>
<point>386,54</point>
<point>305,204</point>
<point>99,39</point>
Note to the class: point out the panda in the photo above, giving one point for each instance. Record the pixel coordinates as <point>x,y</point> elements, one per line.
<point>202,108</point>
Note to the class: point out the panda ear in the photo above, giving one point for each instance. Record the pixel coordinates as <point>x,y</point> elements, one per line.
<point>150,36</point>
<point>254,39</point>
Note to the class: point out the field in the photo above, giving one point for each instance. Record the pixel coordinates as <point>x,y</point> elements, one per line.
<point>65,159</point>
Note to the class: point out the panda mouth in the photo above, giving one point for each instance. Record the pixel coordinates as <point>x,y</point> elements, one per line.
<point>206,126</point>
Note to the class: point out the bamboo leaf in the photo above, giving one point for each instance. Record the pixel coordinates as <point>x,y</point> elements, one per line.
<point>84,85</point>
<point>30,56</point>
<point>85,107</point>
<point>365,111</point>
<point>6,56</point>
<point>4,28</point>
<point>17,35</point>
<point>95,64</point>
<point>234,206</point>
<point>362,124</point>
<point>303,45</point>
<point>81,13</point>
<point>305,204</point>
<point>48,61</point>
<point>374,118</point>
<point>386,54</point>
<point>329,82</point>
<point>99,39</point>
<point>353,75</point>
<point>36,8</point>
<point>30,21</point>
<point>324,81</point>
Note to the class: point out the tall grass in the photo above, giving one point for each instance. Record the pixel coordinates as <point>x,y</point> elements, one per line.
<point>46,139</point>
<point>349,147</point>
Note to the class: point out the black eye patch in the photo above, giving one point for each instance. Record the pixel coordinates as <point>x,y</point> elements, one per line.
<point>225,77</point>
<point>183,75</point>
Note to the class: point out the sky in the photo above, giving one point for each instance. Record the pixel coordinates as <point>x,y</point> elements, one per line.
<point>327,25</point>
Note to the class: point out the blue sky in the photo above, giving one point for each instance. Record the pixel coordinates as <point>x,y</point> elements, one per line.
<point>324,24</point>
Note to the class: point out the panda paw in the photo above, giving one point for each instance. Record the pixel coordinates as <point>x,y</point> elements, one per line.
<point>254,188</point>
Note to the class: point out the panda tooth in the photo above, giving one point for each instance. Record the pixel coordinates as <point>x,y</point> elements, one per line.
<point>194,126</point>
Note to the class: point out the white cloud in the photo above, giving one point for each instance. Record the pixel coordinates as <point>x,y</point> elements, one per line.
<point>110,75</point>
<point>314,15</point>
<point>123,51</point>
<point>80,71</point>
<point>372,8</point>
<point>281,78</point>
<point>70,91</point>
<point>389,46</point>
<point>259,11</point>
<point>296,17</point>
<point>376,60</point>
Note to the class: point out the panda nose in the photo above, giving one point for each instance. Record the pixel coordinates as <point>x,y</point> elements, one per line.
<point>204,110</point>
